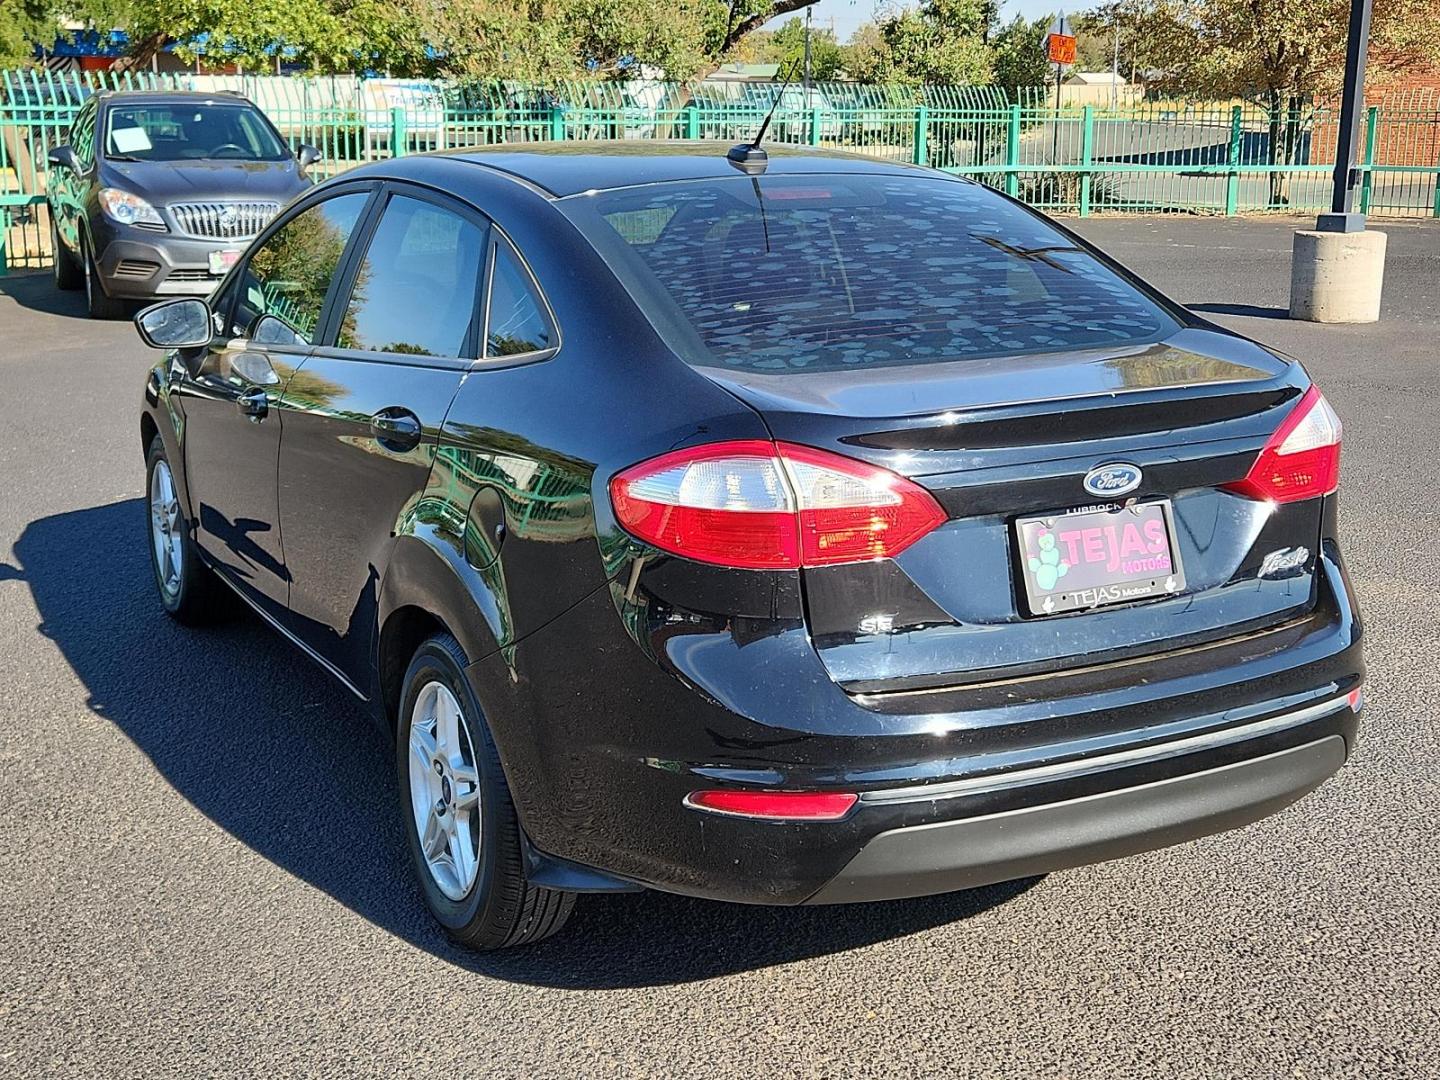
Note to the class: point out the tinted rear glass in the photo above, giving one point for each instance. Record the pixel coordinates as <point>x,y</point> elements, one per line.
<point>824,272</point>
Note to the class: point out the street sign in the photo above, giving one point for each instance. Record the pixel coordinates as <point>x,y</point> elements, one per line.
<point>1060,42</point>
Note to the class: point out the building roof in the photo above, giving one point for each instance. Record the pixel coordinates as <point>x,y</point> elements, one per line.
<point>569,168</point>
<point>1094,78</point>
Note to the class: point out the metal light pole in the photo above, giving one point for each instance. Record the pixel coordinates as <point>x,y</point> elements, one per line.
<point>1337,271</point>
<point>1115,67</point>
<point>1342,216</point>
<point>808,12</point>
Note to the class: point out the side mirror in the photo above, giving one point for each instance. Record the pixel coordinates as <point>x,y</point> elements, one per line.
<point>269,330</point>
<point>308,155</point>
<point>183,323</point>
<point>64,157</point>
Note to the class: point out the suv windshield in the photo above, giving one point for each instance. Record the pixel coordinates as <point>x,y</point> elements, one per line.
<point>182,132</point>
<point>820,273</point>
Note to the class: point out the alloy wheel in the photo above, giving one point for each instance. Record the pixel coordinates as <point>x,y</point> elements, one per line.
<point>166,530</point>
<point>445,790</point>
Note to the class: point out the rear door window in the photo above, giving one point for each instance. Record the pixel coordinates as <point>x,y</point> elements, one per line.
<point>816,273</point>
<point>417,289</point>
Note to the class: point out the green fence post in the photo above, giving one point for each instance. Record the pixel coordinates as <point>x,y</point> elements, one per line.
<point>397,132</point>
<point>1372,121</point>
<point>1012,153</point>
<point>557,123</point>
<point>4,232</point>
<point>692,121</point>
<point>1232,179</point>
<point>922,125</point>
<point>1087,150</point>
<point>815,126</point>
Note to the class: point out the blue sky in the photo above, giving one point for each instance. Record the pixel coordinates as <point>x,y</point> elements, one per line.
<point>848,14</point>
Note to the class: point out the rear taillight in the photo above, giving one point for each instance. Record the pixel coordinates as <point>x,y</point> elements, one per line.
<point>1302,458</point>
<point>771,506</point>
<point>776,805</point>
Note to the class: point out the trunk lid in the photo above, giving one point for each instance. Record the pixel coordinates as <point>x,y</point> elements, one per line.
<point>995,440</point>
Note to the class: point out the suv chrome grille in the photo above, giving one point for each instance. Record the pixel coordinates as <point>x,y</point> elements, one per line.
<point>223,220</point>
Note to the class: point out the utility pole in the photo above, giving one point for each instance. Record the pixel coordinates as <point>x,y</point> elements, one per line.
<point>808,12</point>
<point>1115,66</point>
<point>1342,216</point>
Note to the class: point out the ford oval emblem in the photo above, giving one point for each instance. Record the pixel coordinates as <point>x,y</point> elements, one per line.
<point>1117,478</point>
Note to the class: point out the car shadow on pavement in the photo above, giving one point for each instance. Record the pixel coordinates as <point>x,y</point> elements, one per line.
<point>271,750</point>
<point>37,292</point>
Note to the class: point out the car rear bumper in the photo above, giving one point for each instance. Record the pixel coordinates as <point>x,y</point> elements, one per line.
<point>968,852</point>
<point>957,788</point>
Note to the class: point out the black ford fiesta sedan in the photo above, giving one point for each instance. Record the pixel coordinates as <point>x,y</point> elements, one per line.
<point>832,531</point>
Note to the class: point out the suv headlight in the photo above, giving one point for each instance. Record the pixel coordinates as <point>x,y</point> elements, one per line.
<point>128,209</point>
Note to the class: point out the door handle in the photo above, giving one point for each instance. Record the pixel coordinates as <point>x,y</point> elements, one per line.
<point>396,429</point>
<point>254,404</point>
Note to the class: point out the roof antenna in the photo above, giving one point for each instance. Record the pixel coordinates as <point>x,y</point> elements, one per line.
<point>749,158</point>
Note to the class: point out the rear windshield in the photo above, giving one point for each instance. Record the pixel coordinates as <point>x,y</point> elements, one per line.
<point>199,132</point>
<point>819,273</point>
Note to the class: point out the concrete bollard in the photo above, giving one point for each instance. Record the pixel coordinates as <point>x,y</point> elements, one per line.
<point>1335,277</point>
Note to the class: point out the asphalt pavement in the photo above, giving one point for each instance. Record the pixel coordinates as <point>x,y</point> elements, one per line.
<point>202,872</point>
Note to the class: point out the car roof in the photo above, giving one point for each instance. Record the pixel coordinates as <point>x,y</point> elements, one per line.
<point>569,168</point>
<point>176,97</point>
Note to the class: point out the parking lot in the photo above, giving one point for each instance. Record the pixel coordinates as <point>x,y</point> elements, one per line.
<point>204,874</point>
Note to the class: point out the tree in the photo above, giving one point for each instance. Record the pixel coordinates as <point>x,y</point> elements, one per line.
<point>250,33</point>
<point>1282,54</point>
<point>539,40</point>
<point>22,24</point>
<point>827,58</point>
<point>866,56</point>
<point>1019,54</point>
<point>941,41</point>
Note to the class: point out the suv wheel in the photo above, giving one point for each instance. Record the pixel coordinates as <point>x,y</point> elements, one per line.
<point>68,274</point>
<point>99,305</point>
<point>187,587</point>
<point>460,822</point>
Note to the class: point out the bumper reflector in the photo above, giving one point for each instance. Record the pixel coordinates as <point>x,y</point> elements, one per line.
<point>775,805</point>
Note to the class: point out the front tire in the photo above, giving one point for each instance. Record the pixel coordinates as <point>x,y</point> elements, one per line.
<point>68,274</point>
<point>460,822</point>
<point>188,589</point>
<point>97,302</point>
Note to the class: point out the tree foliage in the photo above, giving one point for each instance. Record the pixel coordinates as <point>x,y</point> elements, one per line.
<point>940,41</point>
<point>491,39</point>
<point>1019,54</point>
<point>786,47</point>
<point>1267,50</point>
<point>23,22</point>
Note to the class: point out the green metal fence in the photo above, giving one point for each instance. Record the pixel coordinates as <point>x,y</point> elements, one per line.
<point>1225,158</point>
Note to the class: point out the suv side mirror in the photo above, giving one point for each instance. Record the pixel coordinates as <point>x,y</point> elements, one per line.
<point>308,155</point>
<point>183,323</point>
<point>64,157</point>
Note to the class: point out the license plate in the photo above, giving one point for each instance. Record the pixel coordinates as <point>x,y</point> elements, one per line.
<point>221,261</point>
<point>1096,557</point>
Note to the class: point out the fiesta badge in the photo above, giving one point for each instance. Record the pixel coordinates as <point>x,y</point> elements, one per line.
<point>1117,478</point>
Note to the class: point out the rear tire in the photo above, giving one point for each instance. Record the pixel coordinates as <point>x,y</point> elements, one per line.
<point>69,275</point>
<point>189,590</point>
<point>460,821</point>
<point>99,305</point>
